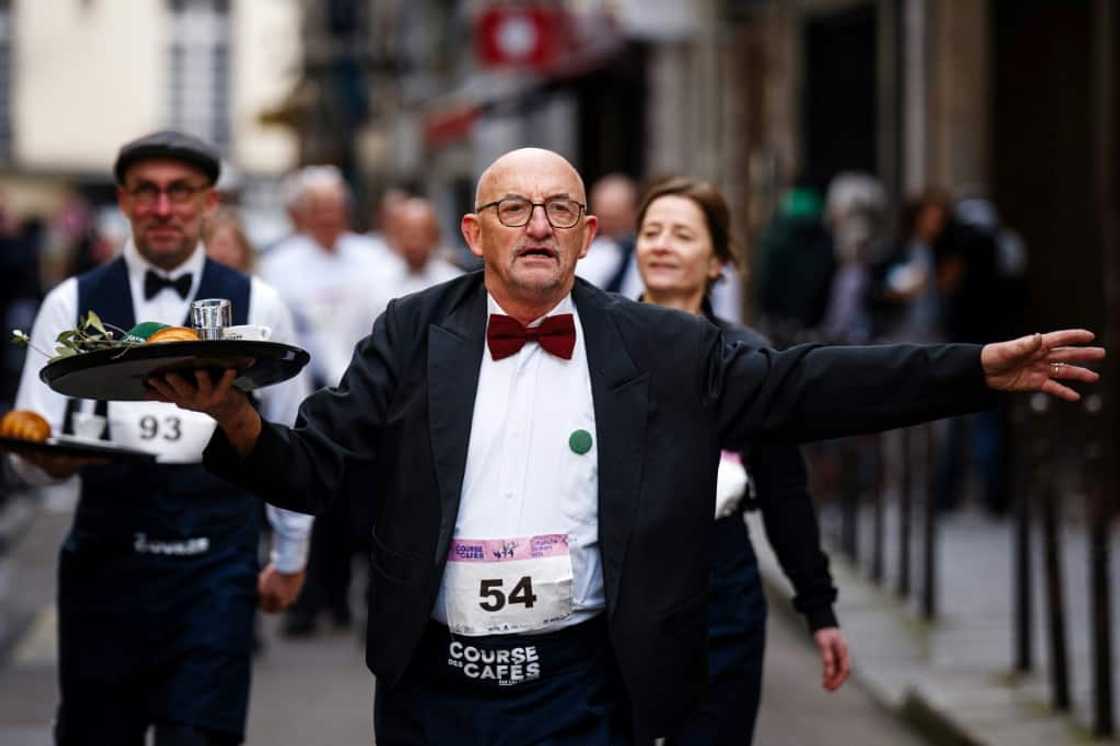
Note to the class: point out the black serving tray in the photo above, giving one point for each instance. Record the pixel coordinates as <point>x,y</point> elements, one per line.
<point>63,445</point>
<point>119,374</point>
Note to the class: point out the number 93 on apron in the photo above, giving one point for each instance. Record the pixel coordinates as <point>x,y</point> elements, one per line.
<point>177,435</point>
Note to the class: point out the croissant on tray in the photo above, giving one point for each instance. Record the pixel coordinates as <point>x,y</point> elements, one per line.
<point>23,424</point>
<point>174,334</point>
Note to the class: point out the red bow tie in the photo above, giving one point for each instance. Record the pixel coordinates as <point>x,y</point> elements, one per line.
<point>556,334</point>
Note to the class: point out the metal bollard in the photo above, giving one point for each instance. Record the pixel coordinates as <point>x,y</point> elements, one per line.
<point>905,508</point>
<point>1024,594</point>
<point>849,498</point>
<point>1052,545</point>
<point>1044,486</point>
<point>878,526</point>
<point>1100,514</point>
<point>929,533</point>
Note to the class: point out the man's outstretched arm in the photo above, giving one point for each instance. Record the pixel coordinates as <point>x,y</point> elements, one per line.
<point>811,392</point>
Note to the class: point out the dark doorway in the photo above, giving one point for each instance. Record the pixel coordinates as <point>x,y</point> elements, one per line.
<point>1043,150</point>
<point>839,105</point>
<point>612,105</point>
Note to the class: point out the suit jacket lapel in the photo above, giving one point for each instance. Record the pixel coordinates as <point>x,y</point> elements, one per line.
<point>455,348</point>
<point>620,391</point>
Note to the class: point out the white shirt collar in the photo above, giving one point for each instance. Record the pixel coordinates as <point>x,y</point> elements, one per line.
<point>564,306</point>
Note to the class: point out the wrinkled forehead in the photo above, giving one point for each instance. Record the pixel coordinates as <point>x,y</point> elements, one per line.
<point>534,176</point>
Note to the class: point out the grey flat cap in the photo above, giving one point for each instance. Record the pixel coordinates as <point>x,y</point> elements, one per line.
<point>177,146</point>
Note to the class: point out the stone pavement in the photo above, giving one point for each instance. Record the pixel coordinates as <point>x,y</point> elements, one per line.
<point>954,675</point>
<point>951,676</point>
<point>317,692</point>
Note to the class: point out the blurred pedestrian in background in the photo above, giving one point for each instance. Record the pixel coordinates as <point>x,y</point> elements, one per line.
<point>158,577</point>
<point>855,215</point>
<point>610,264</point>
<point>20,293</point>
<point>944,282</point>
<point>336,282</point>
<point>416,239</point>
<point>796,266</point>
<point>684,244</point>
<point>613,199</point>
<point>226,242</point>
<point>328,275</point>
<point>908,293</point>
<point>983,299</point>
<point>384,216</point>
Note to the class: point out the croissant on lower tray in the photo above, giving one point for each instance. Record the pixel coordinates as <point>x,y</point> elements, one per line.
<point>24,424</point>
<point>173,334</point>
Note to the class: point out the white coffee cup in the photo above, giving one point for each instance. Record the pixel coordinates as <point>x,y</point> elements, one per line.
<point>88,425</point>
<point>247,332</point>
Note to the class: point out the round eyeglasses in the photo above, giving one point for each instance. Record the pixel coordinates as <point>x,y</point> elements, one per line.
<point>514,212</point>
<point>146,194</point>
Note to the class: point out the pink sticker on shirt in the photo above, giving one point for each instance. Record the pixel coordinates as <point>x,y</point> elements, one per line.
<point>506,550</point>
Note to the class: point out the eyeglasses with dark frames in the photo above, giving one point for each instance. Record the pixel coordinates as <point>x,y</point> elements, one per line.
<point>515,212</point>
<point>146,194</point>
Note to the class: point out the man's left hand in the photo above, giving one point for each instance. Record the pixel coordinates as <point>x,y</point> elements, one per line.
<point>835,663</point>
<point>278,590</point>
<point>1040,361</point>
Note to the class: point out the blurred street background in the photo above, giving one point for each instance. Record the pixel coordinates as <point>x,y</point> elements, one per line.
<point>898,170</point>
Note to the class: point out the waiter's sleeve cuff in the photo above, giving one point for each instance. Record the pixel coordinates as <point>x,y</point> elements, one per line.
<point>256,471</point>
<point>977,395</point>
<point>289,555</point>
<point>820,617</point>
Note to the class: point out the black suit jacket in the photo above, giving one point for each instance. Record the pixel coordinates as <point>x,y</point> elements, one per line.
<point>668,394</point>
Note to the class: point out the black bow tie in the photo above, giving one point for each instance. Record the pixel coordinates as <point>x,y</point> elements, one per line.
<point>153,283</point>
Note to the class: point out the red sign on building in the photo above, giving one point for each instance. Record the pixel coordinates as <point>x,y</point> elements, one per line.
<point>525,36</point>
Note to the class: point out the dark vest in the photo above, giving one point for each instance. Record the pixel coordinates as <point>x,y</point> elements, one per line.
<point>164,501</point>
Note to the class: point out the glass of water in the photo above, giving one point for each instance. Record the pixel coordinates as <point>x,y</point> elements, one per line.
<point>210,316</point>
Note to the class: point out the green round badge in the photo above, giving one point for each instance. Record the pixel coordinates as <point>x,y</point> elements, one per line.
<point>580,442</point>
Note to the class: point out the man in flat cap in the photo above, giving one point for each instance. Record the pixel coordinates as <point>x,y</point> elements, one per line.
<point>158,577</point>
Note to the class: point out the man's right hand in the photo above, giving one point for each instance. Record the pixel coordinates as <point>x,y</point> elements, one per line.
<point>60,467</point>
<point>226,404</point>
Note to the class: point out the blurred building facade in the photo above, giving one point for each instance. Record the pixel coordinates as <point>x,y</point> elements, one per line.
<point>1010,99</point>
<point>80,77</point>
<point>997,98</point>
<point>1004,99</point>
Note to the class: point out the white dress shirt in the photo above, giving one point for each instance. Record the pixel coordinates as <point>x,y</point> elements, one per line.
<point>522,478</point>
<point>602,262</point>
<point>334,295</point>
<point>403,280</point>
<point>59,312</point>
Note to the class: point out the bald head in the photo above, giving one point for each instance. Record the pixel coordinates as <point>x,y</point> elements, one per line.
<point>323,204</point>
<point>525,161</point>
<point>415,233</point>
<point>529,267</point>
<point>614,200</point>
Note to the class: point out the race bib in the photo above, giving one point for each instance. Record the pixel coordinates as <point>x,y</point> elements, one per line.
<point>503,586</point>
<point>177,436</point>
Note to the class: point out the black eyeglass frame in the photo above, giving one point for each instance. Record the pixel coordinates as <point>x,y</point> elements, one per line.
<point>533,206</point>
<point>178,193</point>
